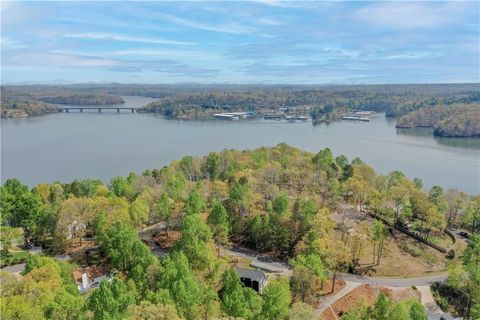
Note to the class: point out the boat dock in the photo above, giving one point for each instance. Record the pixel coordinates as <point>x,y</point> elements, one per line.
<point>234,115</point>
<point>359,115</point>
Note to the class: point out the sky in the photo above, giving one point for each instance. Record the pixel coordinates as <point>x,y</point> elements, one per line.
<point>260,42</point>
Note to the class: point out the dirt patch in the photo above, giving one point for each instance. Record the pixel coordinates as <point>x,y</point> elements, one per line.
<point>366,294</point>
<point>328,314</point>
<point>327,287</point>
<point>164,240</point>
<point>402,255</point>
<point>363,294</point>
<point>86,254</point>
<point>399,294</point>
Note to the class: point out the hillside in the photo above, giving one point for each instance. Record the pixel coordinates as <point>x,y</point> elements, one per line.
<point>459,120</point>
<point>98,99</point>
<point>465,124</point>
<point>23,108</point>
<point>280,202</point>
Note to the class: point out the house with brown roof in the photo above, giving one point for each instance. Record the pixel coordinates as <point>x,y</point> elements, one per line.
<point>90,277</point>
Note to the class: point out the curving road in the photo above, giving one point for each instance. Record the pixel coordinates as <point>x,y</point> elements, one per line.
<point>282,267</point>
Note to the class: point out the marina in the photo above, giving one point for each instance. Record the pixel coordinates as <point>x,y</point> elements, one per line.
<point>356,115</point>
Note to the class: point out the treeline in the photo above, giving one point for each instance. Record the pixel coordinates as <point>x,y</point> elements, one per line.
<point>200,101</point>
<point>15,108</point>
<point>323,103</point>
<point>276,200</point>
<point>466,124</point>
<point>458,120</point>
<point>98,99</point>
<point>21,101</point>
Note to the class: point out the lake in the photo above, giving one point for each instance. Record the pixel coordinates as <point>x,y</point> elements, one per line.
<point>66,146</point>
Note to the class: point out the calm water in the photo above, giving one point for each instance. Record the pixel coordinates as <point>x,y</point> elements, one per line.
<point>91,145</point>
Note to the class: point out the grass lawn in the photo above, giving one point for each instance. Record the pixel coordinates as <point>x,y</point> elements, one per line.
<point>402,257</point>
<point>14,256</point>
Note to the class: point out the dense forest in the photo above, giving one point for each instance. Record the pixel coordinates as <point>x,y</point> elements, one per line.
<point>25,101</point>
<point>15,108</point>
<point>319,102</point>
<point>200,101</point>
<point>280,201</point>
<point>98,99</point>
<point>458,120</point>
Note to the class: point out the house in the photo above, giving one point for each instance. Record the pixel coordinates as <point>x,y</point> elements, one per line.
<point>90,277</point>
<point>75,228</point>
<point>254,279</point>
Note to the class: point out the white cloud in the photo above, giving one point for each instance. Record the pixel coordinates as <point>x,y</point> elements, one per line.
<point>123,38</point>
<point>411,15</point>
<point>10,44</point>
<point>232,28</point>
<point>268,22</point>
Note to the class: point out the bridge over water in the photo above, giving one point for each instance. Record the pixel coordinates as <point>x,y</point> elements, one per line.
<point>99,109</point>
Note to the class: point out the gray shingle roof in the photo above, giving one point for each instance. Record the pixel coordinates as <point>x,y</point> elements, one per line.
<point>256,275</point>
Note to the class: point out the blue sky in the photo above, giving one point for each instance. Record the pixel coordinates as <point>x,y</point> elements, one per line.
<point>240,42</point>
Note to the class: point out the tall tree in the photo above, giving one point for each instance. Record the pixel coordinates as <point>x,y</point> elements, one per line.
<point>218,221</point>
<point>237,300</point>
<point>196,242</point>
<point>277,299</point>
<point>163,209</point>
<point>111,300</point>
<point>195,203</point>
<point>181,284</point>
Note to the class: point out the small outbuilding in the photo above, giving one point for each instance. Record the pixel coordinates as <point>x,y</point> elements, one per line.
<point>254,279</point>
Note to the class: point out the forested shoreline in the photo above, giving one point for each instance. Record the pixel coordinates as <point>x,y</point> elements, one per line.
<point>280,200</point>
<point>458,120</point>
<point>322,102</point>
<point>23,101</point>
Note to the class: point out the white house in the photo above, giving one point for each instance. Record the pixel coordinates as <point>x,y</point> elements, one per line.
<point>90,277</point>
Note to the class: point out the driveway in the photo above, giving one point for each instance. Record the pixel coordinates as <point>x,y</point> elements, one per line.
<point>395,282</point>
<point>329,300</point>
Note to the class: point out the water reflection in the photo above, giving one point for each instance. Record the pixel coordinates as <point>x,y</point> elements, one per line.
<point>468,143</point>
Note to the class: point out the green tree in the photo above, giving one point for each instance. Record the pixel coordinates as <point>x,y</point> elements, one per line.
<point>181,284</point>
<point>149,311</point>
<point>138,211</point>
<point>195,242</point>
<point>281,205</point>
<point>126,251</point>
<point>379,234</point>
<point>195,203</point>
<point>212,166</point>
<point>325,161</point>
<point>20,308</point>
<point>277,299</point>
<point>301,311</point>
<point>237,300</point>
<point>111,300</point>
<point>163,209</point>
<point>8,236</point>
<point>218,221</point>
<point>121,187</point>
<point>471,264</point>
<point>19,206</point>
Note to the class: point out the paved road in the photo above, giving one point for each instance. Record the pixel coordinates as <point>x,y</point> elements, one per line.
<point>395,282</point>
<point>427,300</point>
<point>18,268</point>
<point>284,268</point>
<point>15,269</point>
<point>261,261</point>
<point>329,300</point>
